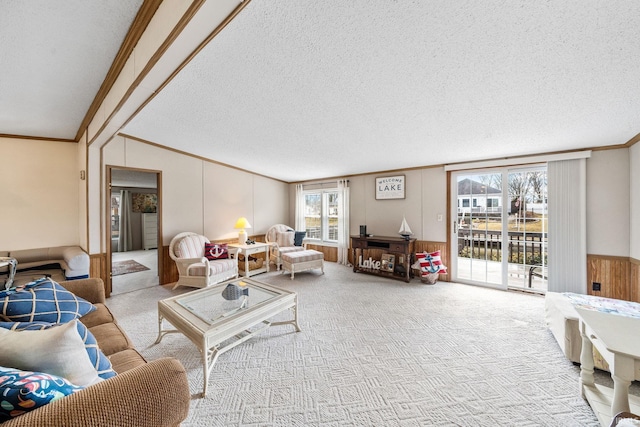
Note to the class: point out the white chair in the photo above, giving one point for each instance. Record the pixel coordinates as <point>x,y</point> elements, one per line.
<point>194,269</point>
<point>281,238</point>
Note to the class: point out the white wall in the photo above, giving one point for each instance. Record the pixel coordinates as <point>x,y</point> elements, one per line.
<point>200,196</point>
<point>634,191</point>
<point>41,197</point>
<point>608,203</point>
<point>611,177</point>
<point>425,198</point>
<point>39,194</point>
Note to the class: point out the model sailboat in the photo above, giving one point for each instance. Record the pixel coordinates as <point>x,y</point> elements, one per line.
<point>405,230</point>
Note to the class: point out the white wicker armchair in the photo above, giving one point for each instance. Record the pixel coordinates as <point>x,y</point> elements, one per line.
<point>281,238</point>
<point>194,269</point>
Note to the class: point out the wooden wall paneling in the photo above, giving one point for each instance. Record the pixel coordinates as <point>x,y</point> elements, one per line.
<point>330,252</point>
<point>169,269</point>
<point>98,266</point>
<point>634,280</point>
<point>613,274</point>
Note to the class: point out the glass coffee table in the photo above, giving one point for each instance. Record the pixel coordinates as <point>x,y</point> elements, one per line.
<point>222,316</point>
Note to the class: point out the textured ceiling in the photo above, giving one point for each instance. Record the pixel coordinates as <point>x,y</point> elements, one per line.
<point>55,55</point>
<point>304,89</point>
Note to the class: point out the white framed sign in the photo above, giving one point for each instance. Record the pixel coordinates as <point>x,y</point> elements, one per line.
<point>390,187</point>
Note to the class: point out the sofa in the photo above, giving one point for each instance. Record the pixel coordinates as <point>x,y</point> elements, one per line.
<point>142,393</point>
<point>60,263</point>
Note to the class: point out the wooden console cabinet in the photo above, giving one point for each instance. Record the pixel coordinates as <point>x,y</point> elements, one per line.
<point>366,252</point>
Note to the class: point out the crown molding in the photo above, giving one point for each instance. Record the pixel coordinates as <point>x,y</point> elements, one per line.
<point>137,28</point>
<point>37,138</point>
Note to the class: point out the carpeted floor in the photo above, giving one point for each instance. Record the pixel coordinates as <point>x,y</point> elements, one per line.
<point>378,352</point>
<point>119,268</point>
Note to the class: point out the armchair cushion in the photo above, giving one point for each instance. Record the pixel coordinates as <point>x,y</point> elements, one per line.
<point>290,249</point>
<point>42,300</point>
<point>215,267</point>
<point>215,251</point>
<point>284,238</point>
<point>191,246</point>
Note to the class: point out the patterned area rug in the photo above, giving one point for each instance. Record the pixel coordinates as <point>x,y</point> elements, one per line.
<point>119,268</point>
<point>379,352</point>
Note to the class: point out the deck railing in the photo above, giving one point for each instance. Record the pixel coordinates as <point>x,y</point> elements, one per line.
<point>528,248</point>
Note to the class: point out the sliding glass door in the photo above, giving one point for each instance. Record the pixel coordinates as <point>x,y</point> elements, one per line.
<point>478,223</point>
<point>499,227</point>
<point>527,229</point>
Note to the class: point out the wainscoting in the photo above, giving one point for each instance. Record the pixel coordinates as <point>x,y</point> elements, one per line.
<point>619,277</point>
<point>443,247</point>
<point>98,266</point>
<point>169,273</point>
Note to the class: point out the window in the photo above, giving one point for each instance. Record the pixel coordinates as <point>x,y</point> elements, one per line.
<point>465,203</point>
<point>321,215</point>
<point>493,202</point>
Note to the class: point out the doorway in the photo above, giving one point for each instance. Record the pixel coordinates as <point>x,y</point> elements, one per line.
<point>133,224</point>
<point>500,224</point>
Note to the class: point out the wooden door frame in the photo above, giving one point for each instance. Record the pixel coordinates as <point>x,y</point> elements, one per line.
<point>108,285</point>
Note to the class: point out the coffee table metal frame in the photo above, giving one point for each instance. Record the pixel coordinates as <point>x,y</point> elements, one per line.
<point>235,325</point>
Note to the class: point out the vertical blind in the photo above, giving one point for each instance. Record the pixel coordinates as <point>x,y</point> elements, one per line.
<point>567,257</point>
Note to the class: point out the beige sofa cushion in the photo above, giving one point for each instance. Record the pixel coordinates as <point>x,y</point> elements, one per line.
<point>125,360</point>
<point>111,339</point>
<point>100,316</point>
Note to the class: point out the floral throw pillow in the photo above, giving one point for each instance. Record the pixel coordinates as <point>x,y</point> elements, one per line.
<point>24,391</point>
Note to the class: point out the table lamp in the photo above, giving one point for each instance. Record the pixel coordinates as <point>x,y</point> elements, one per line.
<point>241,224</point>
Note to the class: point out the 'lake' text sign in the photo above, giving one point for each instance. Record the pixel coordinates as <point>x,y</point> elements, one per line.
<point>390,187</point>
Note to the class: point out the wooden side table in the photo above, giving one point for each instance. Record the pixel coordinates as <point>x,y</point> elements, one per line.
<point>247,250</point>
<point>402,248</point>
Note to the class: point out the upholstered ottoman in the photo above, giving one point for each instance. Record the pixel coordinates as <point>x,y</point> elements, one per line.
<point>296,262</point>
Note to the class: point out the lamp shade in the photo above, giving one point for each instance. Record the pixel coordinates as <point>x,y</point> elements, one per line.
<point>242,223</point>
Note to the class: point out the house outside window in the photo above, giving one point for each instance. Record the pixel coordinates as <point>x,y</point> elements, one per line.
<point>321,215</point>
